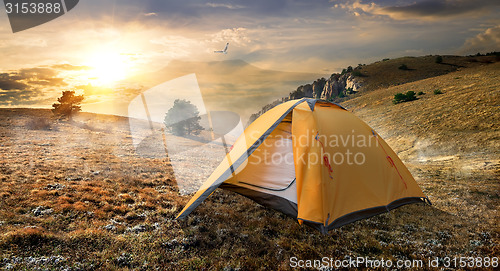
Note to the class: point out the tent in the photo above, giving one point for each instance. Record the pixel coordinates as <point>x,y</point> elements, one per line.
<point>316,162</point>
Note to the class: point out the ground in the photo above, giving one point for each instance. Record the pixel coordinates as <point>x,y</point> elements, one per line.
<point>76,196</point>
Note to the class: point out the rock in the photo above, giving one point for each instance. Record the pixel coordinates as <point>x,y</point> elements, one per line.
<point>332,88</point>
<point>188,242</point>
<point>171,244</point>
<point>138,228</point>
<point>337,84</point>
<point>301,92</point>
<point>69,179</point>
<point>475,242</point>
<point>110,227</point>
<point>317,88</point>
<point>353,83</point>
<point>42,210</point>
<point>46,144</point>
<point>125,260</point>
<point>55,186</point>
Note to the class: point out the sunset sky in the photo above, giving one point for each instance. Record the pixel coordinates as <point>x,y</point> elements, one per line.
<point>99,43</point>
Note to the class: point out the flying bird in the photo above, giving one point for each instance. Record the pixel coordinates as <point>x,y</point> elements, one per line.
<point>223,51</point>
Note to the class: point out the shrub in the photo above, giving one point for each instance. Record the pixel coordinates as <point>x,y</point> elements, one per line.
<point>410,95</point>
<point>403,67</point>
<point>357,73</point>
<point>437,92</point>
<point>348,70</point>
<point>420,93</point>
<point>401,98</point>
<point>439,59</point>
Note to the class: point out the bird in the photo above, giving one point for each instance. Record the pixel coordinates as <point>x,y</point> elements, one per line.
<point>223,51</point>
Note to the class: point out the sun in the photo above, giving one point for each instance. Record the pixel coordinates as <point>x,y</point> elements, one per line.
<point>107,68</point>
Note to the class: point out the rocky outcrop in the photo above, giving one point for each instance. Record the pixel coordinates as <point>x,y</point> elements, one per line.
<point>338,85</point>
<point>332,87</point>
<point>353,83</point>
<point>317,88</point>
<point>302,91</point>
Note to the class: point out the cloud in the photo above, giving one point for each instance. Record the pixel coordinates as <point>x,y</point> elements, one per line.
<point>23,78</point>
<point>28,86</point>
<point>9,97</point>
<point>39,76</point>
<point>238,35</point>
<point>28,42</point>
<point>485,42</point>
<point>176,46</point>
<point>69,67</point>
<point>40,86</point>
<point>220,5</point>
<point>9,83</point>
<point>424,10</point>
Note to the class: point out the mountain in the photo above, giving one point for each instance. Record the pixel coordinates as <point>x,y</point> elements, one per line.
<point>228,85</point>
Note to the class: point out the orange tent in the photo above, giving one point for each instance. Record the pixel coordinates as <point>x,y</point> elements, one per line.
<point>314,161</point>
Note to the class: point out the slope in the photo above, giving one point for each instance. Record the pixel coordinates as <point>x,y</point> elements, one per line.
<point>449,141</point>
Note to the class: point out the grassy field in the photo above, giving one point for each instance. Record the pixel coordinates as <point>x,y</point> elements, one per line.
<point>76,196</point>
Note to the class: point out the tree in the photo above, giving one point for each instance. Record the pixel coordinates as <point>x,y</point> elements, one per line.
<point>68,104</point>
<point>183,118</point>
<point>403,67</point>
<point>439,59</point>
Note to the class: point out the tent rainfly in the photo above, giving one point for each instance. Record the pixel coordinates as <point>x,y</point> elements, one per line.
<point>316,162</point>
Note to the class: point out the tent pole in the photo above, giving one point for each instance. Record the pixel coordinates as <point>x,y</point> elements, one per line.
<point>147,112</point>
<point>223,142</point>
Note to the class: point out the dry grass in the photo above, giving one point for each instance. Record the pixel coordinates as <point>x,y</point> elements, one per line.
<point>78,196</point>
<point>384,74</point>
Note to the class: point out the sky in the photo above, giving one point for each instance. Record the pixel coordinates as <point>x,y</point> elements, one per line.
<point>99,43</point>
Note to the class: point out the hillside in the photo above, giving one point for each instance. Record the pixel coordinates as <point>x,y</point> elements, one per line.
<point>353,82</point>
<point>449,141</point>
<point>387,73</point>
<point>76,196</point>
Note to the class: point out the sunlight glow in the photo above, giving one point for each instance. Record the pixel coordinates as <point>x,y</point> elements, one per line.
<point>108,68</point>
